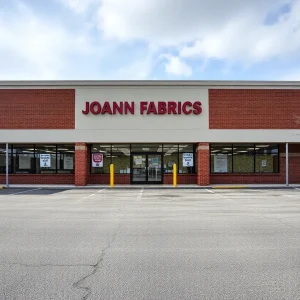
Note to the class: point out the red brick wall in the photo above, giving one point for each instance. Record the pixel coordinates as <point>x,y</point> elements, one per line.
<point>181,179</point>
<point>254,109</point>
<point>203,164</point>
<point>104,179</point>
<point>39,179</point>
<point>81,164</point>
<point>37,109</point>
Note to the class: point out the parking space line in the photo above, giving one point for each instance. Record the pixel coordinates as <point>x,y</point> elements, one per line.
<point>79,200</point>
<point>140,194</point>
<point>22,192</point>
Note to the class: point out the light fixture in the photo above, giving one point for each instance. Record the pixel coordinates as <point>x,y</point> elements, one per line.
<point>262,146</point>
<point>145,149</point>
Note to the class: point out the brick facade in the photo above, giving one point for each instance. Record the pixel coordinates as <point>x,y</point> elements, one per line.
<point>228,109</point>
<point>203,165</point>
<point>37,109</point>
<point>81,164</point>
<point>38,179</point>
<point>254,109</point>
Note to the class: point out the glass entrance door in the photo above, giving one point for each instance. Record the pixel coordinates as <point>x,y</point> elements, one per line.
<point>146,168</point>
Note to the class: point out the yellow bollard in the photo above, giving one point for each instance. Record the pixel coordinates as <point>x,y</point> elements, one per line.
<point>112,174</point>
<point>175,175</point>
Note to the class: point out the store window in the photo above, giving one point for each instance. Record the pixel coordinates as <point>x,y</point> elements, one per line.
<point>170,157</point>
<point>105,150</point>
<point>65,159</point>
<point>48,167</point>
<point>186,159</point>
<point>3,159</point>
<point>244,158</point>
<point>120,155</point>
<point>23,159</point>
<point>146,148</point>
<point>221,158</point>
<point>266,159</point>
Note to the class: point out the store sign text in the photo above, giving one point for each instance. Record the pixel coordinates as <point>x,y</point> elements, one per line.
<point>156,108</point>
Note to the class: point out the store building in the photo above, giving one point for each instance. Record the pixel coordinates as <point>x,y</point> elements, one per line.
<point>69,132</point>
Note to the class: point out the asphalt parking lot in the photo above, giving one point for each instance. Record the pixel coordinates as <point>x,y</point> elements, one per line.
<point>149,244</point>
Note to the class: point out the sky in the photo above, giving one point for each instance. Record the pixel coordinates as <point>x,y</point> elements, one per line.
<point>150,39</point>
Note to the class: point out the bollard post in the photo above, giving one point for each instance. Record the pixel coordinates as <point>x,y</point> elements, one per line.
<point>112,171</point>
<point>175,175</point>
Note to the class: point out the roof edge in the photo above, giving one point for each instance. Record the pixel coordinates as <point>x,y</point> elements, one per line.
<point>90,83</point>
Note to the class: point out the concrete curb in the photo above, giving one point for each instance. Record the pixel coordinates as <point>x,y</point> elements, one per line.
<point>221,187</point>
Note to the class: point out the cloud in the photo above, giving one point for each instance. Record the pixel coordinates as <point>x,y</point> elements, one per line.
<point>236,31</point>
<point>176,66</point>
<point>80,6</point>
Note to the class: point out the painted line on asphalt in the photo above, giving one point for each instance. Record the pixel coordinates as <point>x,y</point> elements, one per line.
<point>140,194</point>
<point>210,191</point>
<point>21,192</point>
<point>81,199</point>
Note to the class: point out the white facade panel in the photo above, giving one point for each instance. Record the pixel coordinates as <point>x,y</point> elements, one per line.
<point>135,136</point>
<point>146,124</point>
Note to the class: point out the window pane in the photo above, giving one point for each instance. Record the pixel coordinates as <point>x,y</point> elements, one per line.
<point>65,159</point>
<point>170,157</point>
<point>146,148</point>
<point>105,149</point>
<point>243,158</point>
<point>221,158</point>
<point>183,148</point>
<point>23,156</point>
<point>121,158</point>
<point>3,158</point>
<point>45,149</point>
<point>266,159</point>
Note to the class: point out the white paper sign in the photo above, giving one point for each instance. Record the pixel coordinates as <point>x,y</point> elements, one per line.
<point>45,160</point>
<point>97,160</point>
<point>138,160</point>
<point>68,162</point>
<point>187,160</point>
<point>220,163</point>
<point>24,161</point>
<point>263,163</point>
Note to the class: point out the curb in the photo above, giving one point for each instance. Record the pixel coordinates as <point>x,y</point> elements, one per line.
<point>218,187</point>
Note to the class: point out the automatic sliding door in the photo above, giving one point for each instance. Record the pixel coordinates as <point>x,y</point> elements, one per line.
<point>139,168</point>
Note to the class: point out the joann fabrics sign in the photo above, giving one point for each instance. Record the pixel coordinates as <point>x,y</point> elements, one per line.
<point>145,108</point>
<point>97,160</point>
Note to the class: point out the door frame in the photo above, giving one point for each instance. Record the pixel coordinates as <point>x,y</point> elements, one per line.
<point>147,166</point>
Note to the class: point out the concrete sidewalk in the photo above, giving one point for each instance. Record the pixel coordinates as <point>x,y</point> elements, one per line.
<point>158,187</point>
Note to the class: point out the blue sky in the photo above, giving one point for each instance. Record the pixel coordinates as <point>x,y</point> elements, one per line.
<point>150,39</point>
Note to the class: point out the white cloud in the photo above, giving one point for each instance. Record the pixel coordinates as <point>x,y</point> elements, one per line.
<point>80,6</point>
<point>209,29</point>
<point>34,48</point>
<point>177,67</point>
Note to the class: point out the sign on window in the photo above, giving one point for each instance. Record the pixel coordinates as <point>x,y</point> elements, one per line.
<point>45,160</point>
<point>220,163</point>
<point>187,160</point>
<point>97,160</point>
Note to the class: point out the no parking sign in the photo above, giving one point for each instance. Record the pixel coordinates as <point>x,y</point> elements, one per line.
<point>97,160</point>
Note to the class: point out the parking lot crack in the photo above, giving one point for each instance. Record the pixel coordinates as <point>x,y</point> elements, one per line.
<point>98,265</point>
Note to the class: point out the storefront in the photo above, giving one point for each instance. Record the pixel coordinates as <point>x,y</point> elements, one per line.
<point>215,132</point>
